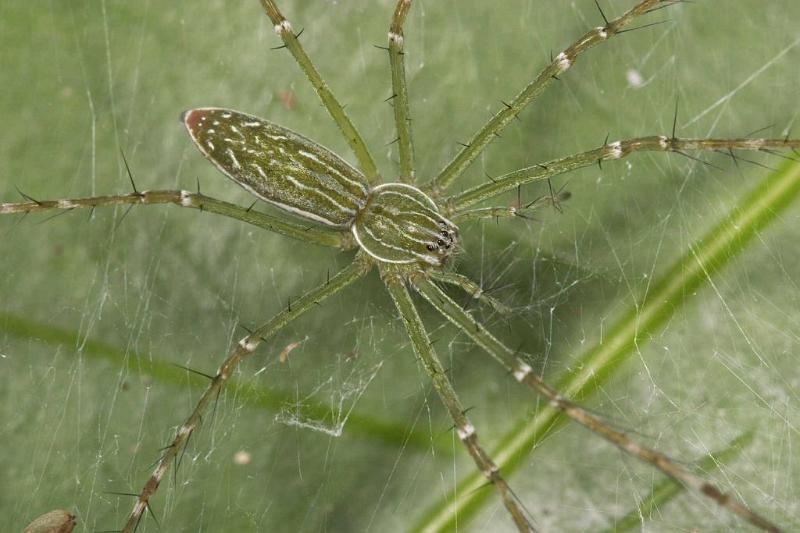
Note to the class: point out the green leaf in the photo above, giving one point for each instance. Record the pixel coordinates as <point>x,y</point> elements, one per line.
<point>249,391</point>
<point>84,79</point>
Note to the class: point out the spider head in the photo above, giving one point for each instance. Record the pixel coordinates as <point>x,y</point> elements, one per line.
<point>402,225</point>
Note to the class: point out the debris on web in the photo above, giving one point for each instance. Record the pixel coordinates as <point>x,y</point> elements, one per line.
<point>341,395</point>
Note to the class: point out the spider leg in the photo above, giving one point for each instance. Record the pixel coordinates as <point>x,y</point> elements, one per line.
<point>301,231</point>
<point>663,491</point>
<point>284,29</point>
<point>487,212</point>
<point>512,211</point>
<point>471,288</point>
<point>244,348</point>
<point>399,98</point>
<point>524,374</point>
<point>466,431</point>
<point>560,63</point>
<point>608,152</point>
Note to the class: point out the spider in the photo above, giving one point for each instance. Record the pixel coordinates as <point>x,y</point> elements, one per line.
<point>412,258</point>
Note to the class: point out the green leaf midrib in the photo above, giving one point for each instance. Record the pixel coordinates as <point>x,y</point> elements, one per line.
<point>252,394</point>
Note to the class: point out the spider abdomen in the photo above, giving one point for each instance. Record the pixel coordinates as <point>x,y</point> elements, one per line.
<point>401,224</point>
<point>278,165</point>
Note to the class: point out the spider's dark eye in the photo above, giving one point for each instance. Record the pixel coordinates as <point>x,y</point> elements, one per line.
<point>440,242</point>
<point>445,234</point>
<point>431,247</point>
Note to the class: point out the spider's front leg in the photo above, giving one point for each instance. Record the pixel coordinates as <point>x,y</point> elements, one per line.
<point>466,431</point>
<point>471,288</point>
<point>558,64</point>
<point>524,374</point>
<point>458,205</point>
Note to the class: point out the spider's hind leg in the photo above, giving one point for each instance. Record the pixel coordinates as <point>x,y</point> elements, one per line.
<point>399,98</point>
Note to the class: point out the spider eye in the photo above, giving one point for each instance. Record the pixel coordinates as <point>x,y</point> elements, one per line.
<point>431,247</point>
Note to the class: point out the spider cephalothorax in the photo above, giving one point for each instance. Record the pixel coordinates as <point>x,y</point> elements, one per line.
<point>401,224</point>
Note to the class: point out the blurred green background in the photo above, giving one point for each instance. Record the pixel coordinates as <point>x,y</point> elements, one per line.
<point>89,304</point>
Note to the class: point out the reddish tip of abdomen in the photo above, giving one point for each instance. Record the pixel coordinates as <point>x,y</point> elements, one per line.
<point>192,118</point>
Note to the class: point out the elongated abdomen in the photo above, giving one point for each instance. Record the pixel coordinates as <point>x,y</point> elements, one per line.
<point>278,165</point>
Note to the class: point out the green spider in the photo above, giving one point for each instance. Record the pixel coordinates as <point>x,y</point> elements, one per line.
<point>393,223</point>
<point>406,230</point>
